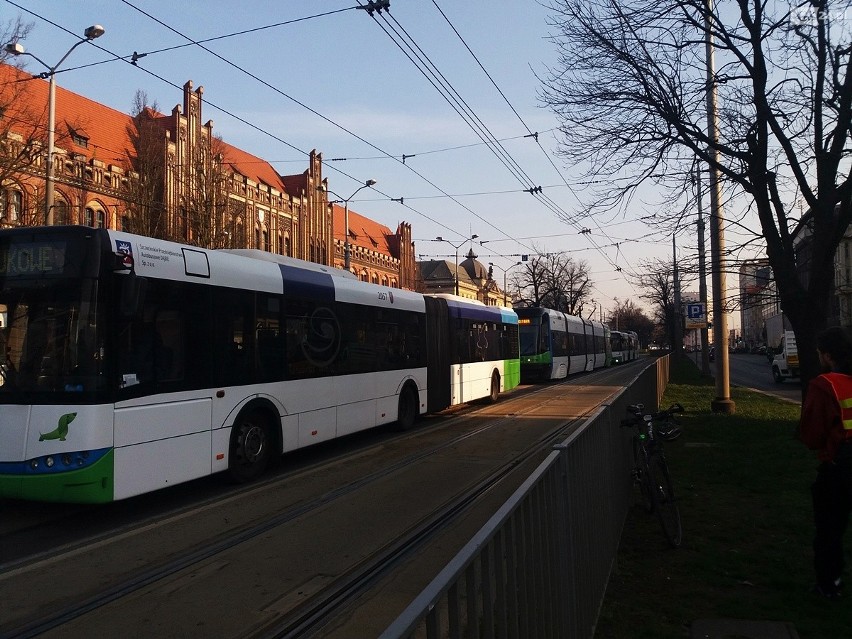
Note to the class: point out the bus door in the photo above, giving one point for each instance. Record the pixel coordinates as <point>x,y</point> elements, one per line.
<point>589,336</point>
<point>438,350</point>
<point>163,419</point>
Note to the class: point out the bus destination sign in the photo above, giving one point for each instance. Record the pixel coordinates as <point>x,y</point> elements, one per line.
<point>22,259</point>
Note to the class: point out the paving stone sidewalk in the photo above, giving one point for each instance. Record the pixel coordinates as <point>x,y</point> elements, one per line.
<point>742,629</point>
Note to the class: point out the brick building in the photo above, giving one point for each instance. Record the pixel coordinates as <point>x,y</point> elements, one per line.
<point>475,281</point>
<point>169,176</point>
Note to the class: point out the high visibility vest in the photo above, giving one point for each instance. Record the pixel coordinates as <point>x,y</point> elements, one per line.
<point>842,386</point>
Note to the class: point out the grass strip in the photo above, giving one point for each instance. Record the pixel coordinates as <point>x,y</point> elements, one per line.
<point>743,485</point>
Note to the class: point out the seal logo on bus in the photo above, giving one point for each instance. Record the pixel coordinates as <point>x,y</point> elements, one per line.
<point>126,249</point>
<point>61,429</point>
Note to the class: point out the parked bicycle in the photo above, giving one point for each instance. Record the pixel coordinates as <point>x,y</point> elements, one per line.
<point>650,469</point>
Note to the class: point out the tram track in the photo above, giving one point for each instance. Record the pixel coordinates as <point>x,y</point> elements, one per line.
<point>448,420</point>
<point>343,589</point>
<point>316,613</point>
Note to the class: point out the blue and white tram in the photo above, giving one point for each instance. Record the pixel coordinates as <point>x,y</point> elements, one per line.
<point>555,344</point>
<point>633,346</point>
<point>624,346</point>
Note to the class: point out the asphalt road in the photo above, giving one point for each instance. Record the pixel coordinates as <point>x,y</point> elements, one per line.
<point>238,565</point>
<point>753,371</point>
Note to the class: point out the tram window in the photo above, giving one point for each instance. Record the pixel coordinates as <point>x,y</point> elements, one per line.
<point>560,343</point>
<point>544,336</point>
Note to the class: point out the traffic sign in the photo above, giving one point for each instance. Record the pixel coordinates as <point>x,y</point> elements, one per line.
<point>696,316</point>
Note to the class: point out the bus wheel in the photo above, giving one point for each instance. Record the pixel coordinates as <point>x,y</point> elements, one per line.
<point>495,387</point>
<point>407,413</point>
<point>251,447</point>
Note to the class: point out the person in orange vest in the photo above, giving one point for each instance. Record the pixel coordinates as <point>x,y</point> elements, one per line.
<point>826,427</point>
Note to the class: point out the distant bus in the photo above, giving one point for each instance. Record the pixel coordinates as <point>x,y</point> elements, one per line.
<point>131,364</point>
<point>624,346</point>
<point>555,345</point>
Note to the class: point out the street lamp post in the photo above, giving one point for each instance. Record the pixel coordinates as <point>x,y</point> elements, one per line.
<point>16,48</point>
<point>323,188</point>
<point>723,402</point>
<point>456,247</point>
<point>505,273</point>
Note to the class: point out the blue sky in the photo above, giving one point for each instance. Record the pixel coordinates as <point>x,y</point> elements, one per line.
<point>329,78</point>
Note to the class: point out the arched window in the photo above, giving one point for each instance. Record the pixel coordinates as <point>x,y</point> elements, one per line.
<point>61,212</point>
<point>11,200</point>
<point>89,217</point>
<point>183,222</point>
<point>287,245</point>
<point>240,238</point>
<point>100,217</point>
<point>375,278</point>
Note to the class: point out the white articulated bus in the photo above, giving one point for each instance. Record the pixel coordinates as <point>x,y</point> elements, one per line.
<point>131,364</point>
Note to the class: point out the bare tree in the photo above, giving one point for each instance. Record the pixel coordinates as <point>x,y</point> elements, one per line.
<point>656,279</point>
<point>532,283</point>
<point>626,316</point>
<point>23,133</point>
<point>205,199</point>
<point>145,209</point>
<point>554,280</point>
<point>630,92</point>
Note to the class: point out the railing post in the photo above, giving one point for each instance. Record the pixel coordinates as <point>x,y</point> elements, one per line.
<point>567,552</point>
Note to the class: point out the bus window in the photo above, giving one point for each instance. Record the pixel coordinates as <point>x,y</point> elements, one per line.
<point>168,346</point>
<point>314,336</point>
<point>154,346</point>
<point>235,331</point>
<point>270,345</point>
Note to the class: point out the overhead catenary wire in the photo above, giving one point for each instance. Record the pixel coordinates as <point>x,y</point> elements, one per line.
<point>325,118</point>
<point>137,56</point>
<point>529,131</point>
<point>434,76</point>
<point>116,57</point>
<point>303,152</point>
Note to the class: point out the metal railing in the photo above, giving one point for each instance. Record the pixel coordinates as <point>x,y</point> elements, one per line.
<point>539,567</point>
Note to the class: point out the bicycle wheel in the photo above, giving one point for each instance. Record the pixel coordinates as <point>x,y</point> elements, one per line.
<point>668,430</point>
<point>641,475</point>
<point>663,498</point>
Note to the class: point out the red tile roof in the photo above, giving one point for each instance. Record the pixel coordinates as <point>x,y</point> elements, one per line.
<point>253,167</point>
<point>296,184</point>
<point>363,231</point>
<point>107,129</point>
<point>108,140</point>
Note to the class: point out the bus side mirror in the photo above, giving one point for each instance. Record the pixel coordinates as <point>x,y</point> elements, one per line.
<point>133,294</point>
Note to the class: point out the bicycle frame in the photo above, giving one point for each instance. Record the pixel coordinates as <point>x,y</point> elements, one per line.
<point>651,471</point>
